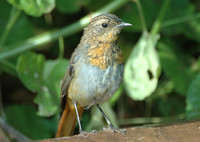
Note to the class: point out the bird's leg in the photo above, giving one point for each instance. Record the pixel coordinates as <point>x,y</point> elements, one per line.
<point>110,126</point>
<point>79,122</point>
<point>78,118</point>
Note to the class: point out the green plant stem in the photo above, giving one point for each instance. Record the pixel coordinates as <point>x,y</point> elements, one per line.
<point>50,36</point>
<point>2,112</point>
<point>61,47</point>
<point>117,95</point>
<point>148,107</point>
<point>12,20</point>
<point>157,24</point>
<point>133,121</point>
<point>8,67</point>
<point>180,20</point>
<point>141,14</point>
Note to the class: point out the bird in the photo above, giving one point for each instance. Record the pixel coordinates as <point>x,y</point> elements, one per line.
<point>94,72</point>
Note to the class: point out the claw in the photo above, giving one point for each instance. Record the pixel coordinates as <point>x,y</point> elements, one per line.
<point>110,126</point>
<point>83,132</point>
<point>121,131</point>
<point>86,133</point>
<point>93,131</point>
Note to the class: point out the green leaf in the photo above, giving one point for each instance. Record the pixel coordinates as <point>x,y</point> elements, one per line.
<point>46,104</point>
<point>54,70</point>
<point>30,69</point>
<point>44,78</point>
<point>193,98</point>
<point>23,118</point>
<point>142,68</point>
<point>16,31</point>
<point>48,98</point>
<point>175,68</point>
<point>34,7</point>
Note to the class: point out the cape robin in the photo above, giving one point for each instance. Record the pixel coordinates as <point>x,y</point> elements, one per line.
<point>94,73</point>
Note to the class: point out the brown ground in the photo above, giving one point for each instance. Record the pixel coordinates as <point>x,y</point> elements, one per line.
<point>178,132</point>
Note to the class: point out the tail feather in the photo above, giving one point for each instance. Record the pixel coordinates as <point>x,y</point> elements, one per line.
<point>68,119</point>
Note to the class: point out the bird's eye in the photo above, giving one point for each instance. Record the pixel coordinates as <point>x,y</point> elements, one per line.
<point>104,25</point>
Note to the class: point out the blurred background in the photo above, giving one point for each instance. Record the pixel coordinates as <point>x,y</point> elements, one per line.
<point>161,51</point>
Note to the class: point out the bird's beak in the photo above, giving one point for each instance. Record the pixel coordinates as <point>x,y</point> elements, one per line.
<point>124,25</point>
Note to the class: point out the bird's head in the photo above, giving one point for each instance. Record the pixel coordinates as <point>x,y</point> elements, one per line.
<point>105,27</point>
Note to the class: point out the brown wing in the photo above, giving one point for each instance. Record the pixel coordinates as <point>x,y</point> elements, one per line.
<point>65,85</point>
<point>69,76</point>
<point>78,52</point>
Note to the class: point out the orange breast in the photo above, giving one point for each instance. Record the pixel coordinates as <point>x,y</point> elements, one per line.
<point>103,55</point>
<point>98,56</point>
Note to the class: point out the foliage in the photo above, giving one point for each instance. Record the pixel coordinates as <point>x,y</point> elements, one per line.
<point>193,106</point>
<point>28,123</point>
<point>34,7</point>
<point>142,68</point>
<point>43,77</point>
<point>162,65</point>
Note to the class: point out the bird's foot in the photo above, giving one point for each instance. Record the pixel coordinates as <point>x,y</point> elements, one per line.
<point>93,132</point>
<point>86,133</point>
<point>82,132</point>
<point>115,130</point>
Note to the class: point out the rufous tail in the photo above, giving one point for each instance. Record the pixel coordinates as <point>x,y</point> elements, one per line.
<point>68,119</point>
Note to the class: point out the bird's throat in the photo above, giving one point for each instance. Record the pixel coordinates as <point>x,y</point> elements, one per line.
<point>104,54</point>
